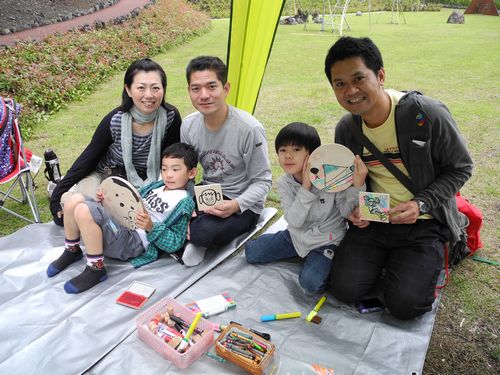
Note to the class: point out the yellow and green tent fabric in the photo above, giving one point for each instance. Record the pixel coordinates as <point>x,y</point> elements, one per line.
<point>251,35</point>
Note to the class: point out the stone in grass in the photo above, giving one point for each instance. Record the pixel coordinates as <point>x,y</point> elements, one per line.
<point>456,17</point>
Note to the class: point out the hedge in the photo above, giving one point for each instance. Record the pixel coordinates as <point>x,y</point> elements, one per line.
<point>45,76</point>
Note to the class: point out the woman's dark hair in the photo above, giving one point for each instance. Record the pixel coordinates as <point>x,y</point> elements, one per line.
<point>142,65</point>
<point>298,134</point>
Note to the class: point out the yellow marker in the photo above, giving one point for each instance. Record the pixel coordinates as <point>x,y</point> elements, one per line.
<point>185,341</point>
<point>313,313</point>
<point>267,318</point>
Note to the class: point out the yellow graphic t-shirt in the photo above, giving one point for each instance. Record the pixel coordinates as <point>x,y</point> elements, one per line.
<point>384,137</point>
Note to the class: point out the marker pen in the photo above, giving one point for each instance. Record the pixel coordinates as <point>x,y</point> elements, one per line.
<point>218,310</point>
<point>268,318</point>
<point>185,341</point>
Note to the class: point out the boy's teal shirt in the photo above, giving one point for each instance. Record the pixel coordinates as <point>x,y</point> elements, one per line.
<point>169,235</point>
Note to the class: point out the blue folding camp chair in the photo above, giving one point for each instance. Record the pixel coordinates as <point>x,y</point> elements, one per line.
<point>15,168</point>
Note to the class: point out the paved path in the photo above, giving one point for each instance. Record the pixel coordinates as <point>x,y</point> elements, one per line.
<point>121,8</point>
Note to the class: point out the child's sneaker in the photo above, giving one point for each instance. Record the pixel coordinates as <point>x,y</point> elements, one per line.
<point>86,280</point>
<point>68,257</point>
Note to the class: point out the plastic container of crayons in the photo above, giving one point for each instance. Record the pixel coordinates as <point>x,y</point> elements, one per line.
<point>245,349</point>
<point>154,330</point>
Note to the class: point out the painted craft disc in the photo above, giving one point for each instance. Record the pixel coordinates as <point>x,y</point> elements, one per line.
<point>122,200</point>
<point>332,167</point>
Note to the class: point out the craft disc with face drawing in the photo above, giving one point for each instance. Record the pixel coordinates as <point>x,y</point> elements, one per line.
<point>122,200</point>
<point>332,167</point>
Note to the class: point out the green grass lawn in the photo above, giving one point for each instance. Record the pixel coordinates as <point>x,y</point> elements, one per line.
<point>457,64</point>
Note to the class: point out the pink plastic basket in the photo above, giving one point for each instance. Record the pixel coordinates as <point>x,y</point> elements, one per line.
<point>181,360</point>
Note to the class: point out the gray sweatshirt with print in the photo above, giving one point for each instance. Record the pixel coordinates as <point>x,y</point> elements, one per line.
<point>235,156</point>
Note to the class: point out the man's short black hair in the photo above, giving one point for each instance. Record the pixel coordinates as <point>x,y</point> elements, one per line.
<point>212,63</point>
<point>348,47</point>
<point>184,151</point>
<point>298,134</point>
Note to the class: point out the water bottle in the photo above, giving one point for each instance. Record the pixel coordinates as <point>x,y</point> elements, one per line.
<point>52,171</point>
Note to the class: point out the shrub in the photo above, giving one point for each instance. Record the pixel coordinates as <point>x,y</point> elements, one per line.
<point>216,8</point>
<point>44,76</point>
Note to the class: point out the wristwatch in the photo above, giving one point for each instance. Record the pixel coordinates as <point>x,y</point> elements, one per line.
<point>423,207</point>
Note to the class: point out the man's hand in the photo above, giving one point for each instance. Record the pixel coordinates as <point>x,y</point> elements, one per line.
<point>224,209</point>
<point>143,221</point>
<point>360,172</point>
<point>306,181</point>
<point>404,213</point>
<point>356,219</point>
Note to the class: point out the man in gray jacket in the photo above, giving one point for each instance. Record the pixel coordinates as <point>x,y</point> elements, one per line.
<point>418,136</point>
<point>232,149</point>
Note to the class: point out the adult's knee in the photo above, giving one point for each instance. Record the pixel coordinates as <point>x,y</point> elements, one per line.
<point>205,232</point>
<point>343,288</point>
<point>405,306</point>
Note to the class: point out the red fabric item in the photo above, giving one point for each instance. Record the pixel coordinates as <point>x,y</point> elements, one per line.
<point>475,223</point>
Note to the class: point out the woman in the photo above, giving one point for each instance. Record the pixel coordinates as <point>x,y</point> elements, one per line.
<point>129,140</point>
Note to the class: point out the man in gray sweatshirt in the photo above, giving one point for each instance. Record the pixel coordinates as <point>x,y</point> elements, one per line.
<point>233,152</point>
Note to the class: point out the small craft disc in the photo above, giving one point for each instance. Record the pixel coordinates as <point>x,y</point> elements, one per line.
<point>208,195</point>
<point>122,200</point>
<point>332,167</point>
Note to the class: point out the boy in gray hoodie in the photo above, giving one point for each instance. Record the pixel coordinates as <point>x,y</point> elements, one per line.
<point>315,218</point>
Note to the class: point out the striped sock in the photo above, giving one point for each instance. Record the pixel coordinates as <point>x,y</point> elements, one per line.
<point>72,245</point>
<point>95,261</point>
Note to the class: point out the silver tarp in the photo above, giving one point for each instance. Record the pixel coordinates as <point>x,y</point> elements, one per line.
<point>345,341</point>
<point>46,331</point>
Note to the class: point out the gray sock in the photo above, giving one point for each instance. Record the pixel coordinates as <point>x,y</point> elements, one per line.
<point>193,255</point>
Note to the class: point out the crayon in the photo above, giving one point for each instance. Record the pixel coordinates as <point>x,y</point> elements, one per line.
<point>216,357</point>
<point>264,335</point>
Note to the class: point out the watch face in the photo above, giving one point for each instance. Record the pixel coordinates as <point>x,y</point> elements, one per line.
<point>423,207</point>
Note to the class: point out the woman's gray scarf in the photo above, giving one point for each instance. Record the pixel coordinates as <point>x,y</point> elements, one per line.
<point>153,164</point>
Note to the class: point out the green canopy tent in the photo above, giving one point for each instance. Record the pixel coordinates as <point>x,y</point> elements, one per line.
<point>251,35</point>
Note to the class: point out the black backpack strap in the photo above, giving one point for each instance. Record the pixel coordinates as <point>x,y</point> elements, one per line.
<point>356,129</point>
